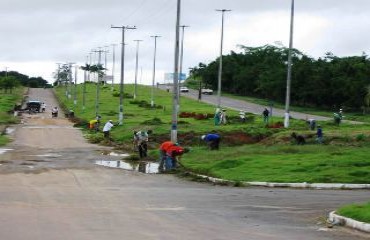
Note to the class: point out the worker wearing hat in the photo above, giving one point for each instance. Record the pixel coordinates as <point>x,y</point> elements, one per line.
<point>106,129</point>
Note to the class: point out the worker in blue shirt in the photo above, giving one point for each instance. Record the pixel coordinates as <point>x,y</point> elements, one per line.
<point>212,140</point>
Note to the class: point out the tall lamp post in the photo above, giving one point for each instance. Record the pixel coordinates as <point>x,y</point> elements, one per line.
<point>75,89</point>
<point>136,66</point>
<point>176,77</point>
<point>120,117</point>
<point>220,65</point>
<point>97,100</point>
<point>84,86</point>
<point>181,59</point>
<point>289,73</point>
<point>153,79</point>
<point>114,63</point>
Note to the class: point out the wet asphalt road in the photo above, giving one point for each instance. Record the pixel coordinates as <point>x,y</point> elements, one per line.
<point>55,191</point>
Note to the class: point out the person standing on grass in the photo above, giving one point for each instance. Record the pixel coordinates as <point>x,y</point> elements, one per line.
<point>266,114</point>
<point>217,117</point>
<point>141,139</point>
<point>106,129</point>
<point>319,134</point>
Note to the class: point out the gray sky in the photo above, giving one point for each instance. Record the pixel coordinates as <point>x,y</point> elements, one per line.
<point>37,34</point>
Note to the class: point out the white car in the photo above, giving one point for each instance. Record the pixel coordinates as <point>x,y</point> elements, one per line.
<point>207,91</point>
<point>184,89</point>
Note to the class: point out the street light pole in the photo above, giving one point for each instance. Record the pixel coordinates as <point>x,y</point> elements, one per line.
<point>106,51</point>
<point>289,73</point>
<point>176,77</point>
<point>70,79</point>
<point>220,64</point>
<point>181,59</point>
<point>114,63</point>
<point>120,117</point>
<point>84,86</point>
<point>97,100</point>
<point>136,66</point>
<point>75,89</point>
<point>153,80</point>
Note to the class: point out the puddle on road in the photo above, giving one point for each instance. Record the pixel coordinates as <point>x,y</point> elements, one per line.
<point>114,154</point>
<point>47,155</point>
<point>9,131</point>
<point>143,167</point>
<point>4,150</point>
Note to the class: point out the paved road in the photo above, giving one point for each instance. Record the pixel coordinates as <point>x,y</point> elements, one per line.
<point>50,188</point>
<point>248,107</point>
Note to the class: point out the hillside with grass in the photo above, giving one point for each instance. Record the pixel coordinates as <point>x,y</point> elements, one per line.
<point>250,151</point>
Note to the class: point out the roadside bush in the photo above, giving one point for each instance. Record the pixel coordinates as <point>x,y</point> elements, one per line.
<point>95,138</point>
<point>360,137</point>
<point>153,121</point>
<point>111,113</point>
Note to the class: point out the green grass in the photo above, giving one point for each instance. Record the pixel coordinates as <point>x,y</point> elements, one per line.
<point>7,102</point>
<point>3,140</point>
<point>359,212</point>
<point>283,163</point>
<point>343,157</point>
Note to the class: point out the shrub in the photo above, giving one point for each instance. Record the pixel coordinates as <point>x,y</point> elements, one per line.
<point>153,121</point>
<point>360,137</point>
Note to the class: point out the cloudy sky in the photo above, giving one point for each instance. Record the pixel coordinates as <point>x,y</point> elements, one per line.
<point>37,34</point>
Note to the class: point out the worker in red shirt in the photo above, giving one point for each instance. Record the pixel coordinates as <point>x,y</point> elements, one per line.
<point>172,154</point>
<point>162,153</point>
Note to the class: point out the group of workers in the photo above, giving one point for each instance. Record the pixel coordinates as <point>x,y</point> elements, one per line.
<point>169,152</point>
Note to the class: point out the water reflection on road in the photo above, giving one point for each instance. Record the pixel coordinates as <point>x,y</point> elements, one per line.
<point>144,167</point>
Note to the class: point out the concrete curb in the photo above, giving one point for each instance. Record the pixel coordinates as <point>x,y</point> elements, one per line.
<point>348,222</point>
<point>291,185</point>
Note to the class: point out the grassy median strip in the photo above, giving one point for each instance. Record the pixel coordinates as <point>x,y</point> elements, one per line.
<point>292,163</point>
<point>359,212</point>
<point>249,151</point>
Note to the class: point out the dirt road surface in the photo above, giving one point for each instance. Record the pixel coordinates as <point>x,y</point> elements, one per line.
<point>51,189</point>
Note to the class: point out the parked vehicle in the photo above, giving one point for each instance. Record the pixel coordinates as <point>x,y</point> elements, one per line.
<point>207,91</point>
<point>33,106</point>
<point>184,89</point>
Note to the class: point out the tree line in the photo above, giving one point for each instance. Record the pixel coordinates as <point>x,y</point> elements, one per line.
<point>329,82</point>
<point>12,79</point>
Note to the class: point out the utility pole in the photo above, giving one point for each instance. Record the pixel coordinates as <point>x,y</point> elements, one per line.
<point>176,77</point>
<point>136,66</point>
<point>114,63</point>
<point>181,59</point>
<point>220,66</point>
<point>120,117</point>
<point>97,100</point>
<point>70,80</point>
<point>289,73</point>
<point>75,89</point>
<point>84,87</point>
<point>105,63</point>
<point>153,79</point>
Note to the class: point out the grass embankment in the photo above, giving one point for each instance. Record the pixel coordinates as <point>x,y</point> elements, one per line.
<point>7,101</point>
<point>359,212</point>
<point>342,158</point>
